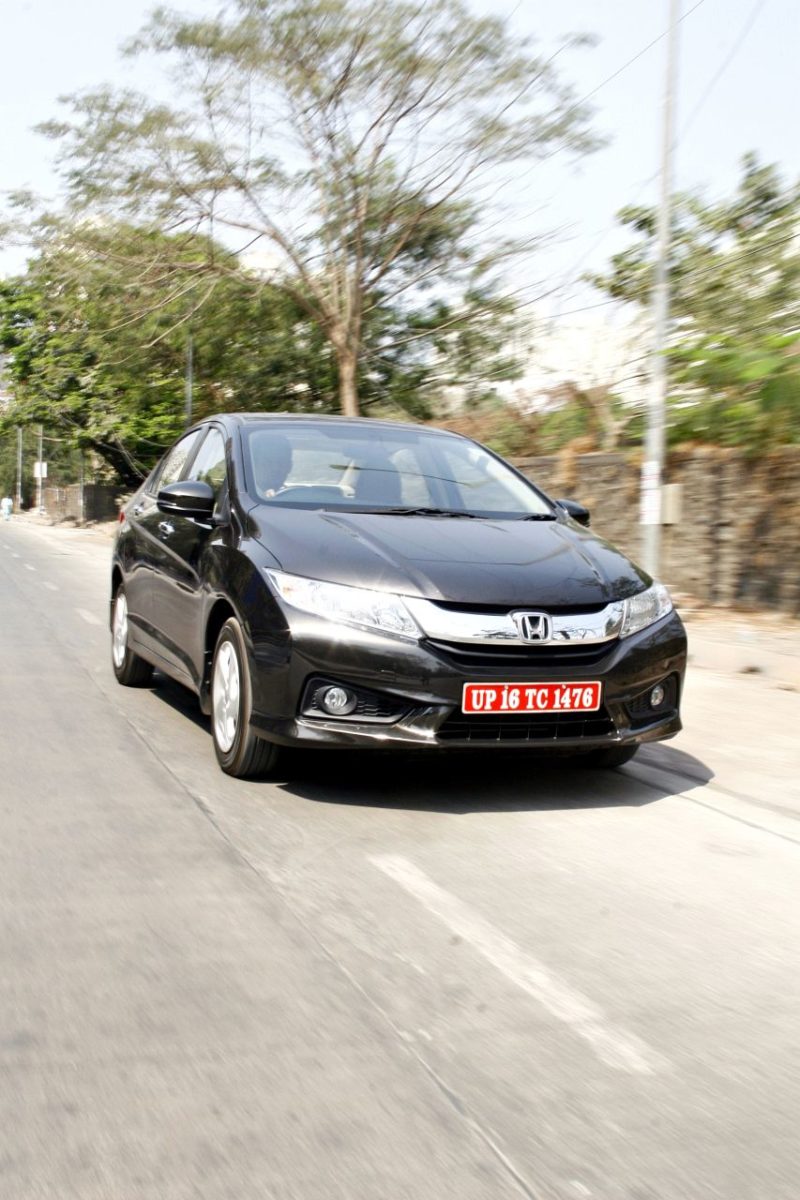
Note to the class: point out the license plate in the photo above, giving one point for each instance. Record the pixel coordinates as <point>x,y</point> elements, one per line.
<point>531,697</point>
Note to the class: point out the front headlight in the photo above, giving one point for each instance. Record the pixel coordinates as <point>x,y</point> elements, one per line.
<point>645,609</point>
<point>347,605</point>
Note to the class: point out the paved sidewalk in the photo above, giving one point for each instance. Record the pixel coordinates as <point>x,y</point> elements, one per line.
<point>766,644</point>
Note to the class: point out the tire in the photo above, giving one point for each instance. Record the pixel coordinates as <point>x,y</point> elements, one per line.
<point>239,752</point>
<point>129,668</point>
<point>610,756</point>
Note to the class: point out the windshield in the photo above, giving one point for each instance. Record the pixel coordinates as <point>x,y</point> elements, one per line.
<point>382,469</point>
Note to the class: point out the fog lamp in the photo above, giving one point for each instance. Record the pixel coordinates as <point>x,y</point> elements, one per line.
<point>338,701</point>
<point>657,696</point>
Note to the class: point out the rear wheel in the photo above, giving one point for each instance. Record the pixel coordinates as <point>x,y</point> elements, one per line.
<point>239,752</point>
<point>610,756</point>
<point>129,668</point>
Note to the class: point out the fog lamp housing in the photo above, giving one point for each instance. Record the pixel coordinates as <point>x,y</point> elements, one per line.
<point>338,701</point>
<point>655,702</point>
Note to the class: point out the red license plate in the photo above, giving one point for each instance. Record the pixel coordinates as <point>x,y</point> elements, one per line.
<point>531,697</point>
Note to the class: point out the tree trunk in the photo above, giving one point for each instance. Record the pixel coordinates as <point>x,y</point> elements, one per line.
<point>117,460</point>
<point>348,395</point>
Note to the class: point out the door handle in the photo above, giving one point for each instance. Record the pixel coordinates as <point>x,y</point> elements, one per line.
<point>166,528</point>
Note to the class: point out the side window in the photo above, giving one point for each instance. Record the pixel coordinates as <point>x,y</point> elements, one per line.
<point>175,461</point>
<point>209,466</point>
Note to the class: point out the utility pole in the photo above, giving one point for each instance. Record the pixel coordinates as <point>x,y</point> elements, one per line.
<point>653,465</point>
<point>189,379</point>
<point>40,480</point>
<point>18,498</point>
<point>82,500</point>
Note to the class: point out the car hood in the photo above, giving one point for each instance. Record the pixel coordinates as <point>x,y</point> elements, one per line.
<point>479,561</point>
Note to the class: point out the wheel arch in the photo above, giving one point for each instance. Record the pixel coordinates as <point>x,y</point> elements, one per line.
<point>221,611</point>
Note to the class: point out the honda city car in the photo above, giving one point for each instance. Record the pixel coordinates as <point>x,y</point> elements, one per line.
<point>334,582</point>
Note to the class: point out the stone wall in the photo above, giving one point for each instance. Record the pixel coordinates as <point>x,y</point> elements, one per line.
<point>100,502</point>
<point>738,537</point>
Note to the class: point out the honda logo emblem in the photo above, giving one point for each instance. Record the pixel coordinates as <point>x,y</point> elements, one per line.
<point>533,626</point>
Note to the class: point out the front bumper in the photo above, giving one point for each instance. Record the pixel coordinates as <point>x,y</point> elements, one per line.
<point>425,681</point>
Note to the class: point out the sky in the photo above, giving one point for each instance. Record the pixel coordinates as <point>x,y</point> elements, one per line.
<point>736,92</point>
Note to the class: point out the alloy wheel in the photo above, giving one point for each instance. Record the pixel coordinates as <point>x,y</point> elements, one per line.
<point>226,693</point>
<point>119,641</point>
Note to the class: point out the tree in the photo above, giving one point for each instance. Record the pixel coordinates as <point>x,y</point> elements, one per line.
<point>97,347</point>
<point>8,464</point>
<point>355,139</point>
<point>96,337</point>
<point>734,359</point>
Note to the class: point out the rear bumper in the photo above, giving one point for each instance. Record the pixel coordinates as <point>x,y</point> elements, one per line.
<point>425,684</point>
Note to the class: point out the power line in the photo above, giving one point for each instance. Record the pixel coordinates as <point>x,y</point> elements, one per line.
<point>609,79</point>
<point>734,50</point>
<point>636,56</point>
<point>738,43</point>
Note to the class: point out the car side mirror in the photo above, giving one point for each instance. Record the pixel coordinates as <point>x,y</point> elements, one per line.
<point>189,498</point>
<point>576,511</point>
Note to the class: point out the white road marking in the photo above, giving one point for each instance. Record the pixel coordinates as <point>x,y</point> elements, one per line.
<point>616,1047</point>
<point>15,555</point>
<point>89,617</point>
<point>28,567</point>
<point>53,587</point>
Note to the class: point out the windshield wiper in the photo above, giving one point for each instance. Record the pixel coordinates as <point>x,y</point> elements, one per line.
<point>538,517</point>
<point>421,511</point>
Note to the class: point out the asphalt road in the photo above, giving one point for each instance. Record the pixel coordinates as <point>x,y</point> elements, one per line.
<point>378,978</point>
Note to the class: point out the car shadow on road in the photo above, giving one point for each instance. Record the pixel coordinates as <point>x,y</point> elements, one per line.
<point>179,698</point>
<point>500,781</point>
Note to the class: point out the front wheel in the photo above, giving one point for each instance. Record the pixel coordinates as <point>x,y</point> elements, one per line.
<point>129,668</point>
<point>239,752</point>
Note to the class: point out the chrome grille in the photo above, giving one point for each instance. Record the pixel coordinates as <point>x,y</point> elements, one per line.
<point>514,655</point>
<point>466,627</point>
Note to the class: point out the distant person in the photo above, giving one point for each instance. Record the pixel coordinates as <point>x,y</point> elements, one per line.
<point>6,507</point>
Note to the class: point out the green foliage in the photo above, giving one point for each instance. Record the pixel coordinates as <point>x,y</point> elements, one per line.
<point>499,425</point>
<point>734,360</point>
<point>8,465</point>
<point>97,341</point>
<point>563,425</point>
<point>587,419</point>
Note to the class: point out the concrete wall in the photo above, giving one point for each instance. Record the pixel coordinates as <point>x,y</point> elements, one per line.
<point>738,539</point>
<point>99,502</point>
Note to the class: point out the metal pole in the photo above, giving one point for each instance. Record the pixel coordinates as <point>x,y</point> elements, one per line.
<point>40,481</point>
<point>653,465</point>
<point>19,469</point>
<point>189,378</point>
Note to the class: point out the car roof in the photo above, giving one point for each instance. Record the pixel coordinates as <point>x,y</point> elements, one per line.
<point>245,418</point>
